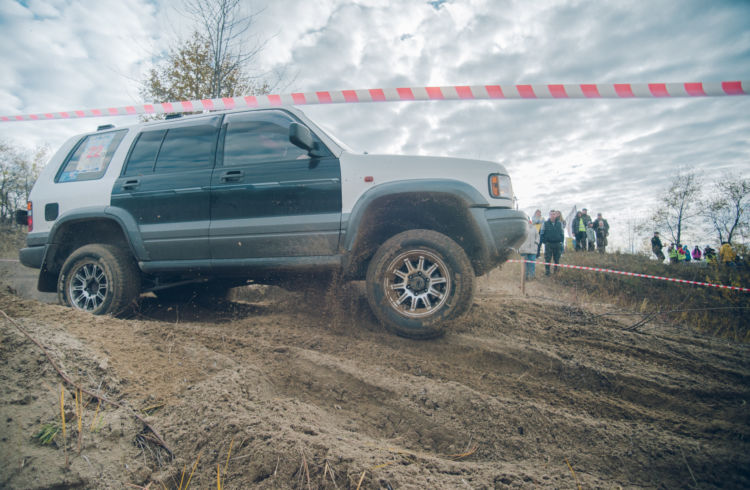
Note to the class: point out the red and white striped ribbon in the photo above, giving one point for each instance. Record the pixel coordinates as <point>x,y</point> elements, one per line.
<point>402,94</point>
<point>635,274</point>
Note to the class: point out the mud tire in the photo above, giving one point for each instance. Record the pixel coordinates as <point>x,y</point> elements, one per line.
<point>420,299</point>
<point>100,279</point>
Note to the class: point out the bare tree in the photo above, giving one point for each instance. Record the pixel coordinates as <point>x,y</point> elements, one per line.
<point>728,210</point>
<point>224,29</point>
<point>213,62</point>
<point>679,205</point>
<point>637,227</point>
<point>187,74</point>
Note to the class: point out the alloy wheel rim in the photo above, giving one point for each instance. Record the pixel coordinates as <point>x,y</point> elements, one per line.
<point>417,283</point>
<point>88,287</point>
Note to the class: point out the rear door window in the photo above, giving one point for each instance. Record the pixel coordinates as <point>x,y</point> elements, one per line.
<point>187,148</point>
<point>143,155</point>
<point>91,157</point>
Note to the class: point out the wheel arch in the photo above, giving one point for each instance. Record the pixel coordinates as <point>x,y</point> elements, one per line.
<point>447,207</point>
<point>85,226</point>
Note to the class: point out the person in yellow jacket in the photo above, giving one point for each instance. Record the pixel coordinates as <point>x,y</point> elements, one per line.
<point>537,220</point>
<point>672,252</point>
<point>727,255</point>
<point>680,254</point>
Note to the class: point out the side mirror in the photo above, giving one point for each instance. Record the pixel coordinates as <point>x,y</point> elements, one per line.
<point>300,136</point>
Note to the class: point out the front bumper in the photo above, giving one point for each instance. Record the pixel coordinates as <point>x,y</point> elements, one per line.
<point>507,226</point>
<point>502,230</point>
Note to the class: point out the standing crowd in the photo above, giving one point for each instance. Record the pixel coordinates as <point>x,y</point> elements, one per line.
<point>678,253</point>
<point>587,234</point>
<point>591,234</point>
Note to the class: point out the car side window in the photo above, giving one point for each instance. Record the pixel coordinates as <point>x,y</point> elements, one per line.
<point>143,155</point>
<point>187,148</point>
<point>259,137</point>
<point>91,157</point>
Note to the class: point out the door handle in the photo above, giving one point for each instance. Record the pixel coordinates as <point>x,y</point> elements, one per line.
<point>232,176</point>
<point>131,184</point>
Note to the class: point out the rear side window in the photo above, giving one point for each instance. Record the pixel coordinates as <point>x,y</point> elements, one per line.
<point>91,157</point>
<point>143,155</point>
<point>187,148</point>
<point>176,149</point>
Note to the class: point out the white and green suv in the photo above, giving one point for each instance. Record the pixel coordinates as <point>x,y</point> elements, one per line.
<point>266,196</point>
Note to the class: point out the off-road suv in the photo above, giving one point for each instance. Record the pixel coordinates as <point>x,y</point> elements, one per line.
<point>265,195</point>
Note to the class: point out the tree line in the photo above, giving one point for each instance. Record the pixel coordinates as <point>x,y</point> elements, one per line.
<point>19,169</point>
<point>720,208</point>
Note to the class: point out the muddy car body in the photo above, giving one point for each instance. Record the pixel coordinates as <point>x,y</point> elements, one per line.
<point>217,200</point>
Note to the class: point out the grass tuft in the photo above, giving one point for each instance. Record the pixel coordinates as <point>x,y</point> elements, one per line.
<point>47,433</point>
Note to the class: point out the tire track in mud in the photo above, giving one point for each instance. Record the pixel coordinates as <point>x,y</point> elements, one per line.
<point>526,382</point>
<point>509,393</point>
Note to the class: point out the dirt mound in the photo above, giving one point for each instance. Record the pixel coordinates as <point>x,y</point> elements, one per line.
<point>312,393</point>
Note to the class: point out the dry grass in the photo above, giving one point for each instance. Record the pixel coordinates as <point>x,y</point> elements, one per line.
<point>715,311</point>
<point>12,239</point>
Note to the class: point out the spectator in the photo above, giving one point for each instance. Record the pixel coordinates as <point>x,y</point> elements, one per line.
<point>590,236</point>
<point>528,250</point>
<point>574,230</point>
<point>580,223</point>
<point>672,252</point>
<point>601,228</point>
<point>586,216</point>
<point>680,253</point>
<point>696,254</point>
<point>553,236</point>
<point>710,254</point>
<point>537,221</point>
<point>686,251</point>
<point>727,254</point>
<point>656,246</point>
<point>564,223</point>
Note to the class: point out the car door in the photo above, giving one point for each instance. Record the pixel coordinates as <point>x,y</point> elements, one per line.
<point>269,198</point>
<point>165,186</point>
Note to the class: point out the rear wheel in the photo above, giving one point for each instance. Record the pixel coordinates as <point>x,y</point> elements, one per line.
<point>419,281</point>
<point>99,279</point>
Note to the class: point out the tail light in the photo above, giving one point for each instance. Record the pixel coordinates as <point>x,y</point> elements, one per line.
<point>29,216</point>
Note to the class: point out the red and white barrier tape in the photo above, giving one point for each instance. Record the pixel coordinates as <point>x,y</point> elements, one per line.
<point>635,274</point>
<point>454,92</point>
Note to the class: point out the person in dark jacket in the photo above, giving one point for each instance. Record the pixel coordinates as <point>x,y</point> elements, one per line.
<point>554,236</point>
<point>601,228</point>
<point>656,246</point>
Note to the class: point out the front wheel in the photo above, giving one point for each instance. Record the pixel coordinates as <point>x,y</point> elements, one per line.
<point>418,281</point>
<point>99,279</point>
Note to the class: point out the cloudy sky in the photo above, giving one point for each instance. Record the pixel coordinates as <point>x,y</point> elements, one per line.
<point>612,156</point>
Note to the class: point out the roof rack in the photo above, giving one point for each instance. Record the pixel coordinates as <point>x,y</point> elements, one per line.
<point>105,126</point>
<point>173,116</point>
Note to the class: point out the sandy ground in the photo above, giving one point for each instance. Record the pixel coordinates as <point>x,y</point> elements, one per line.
<point>538,390</point>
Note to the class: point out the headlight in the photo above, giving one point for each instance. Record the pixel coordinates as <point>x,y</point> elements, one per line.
<point>500,187</point>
